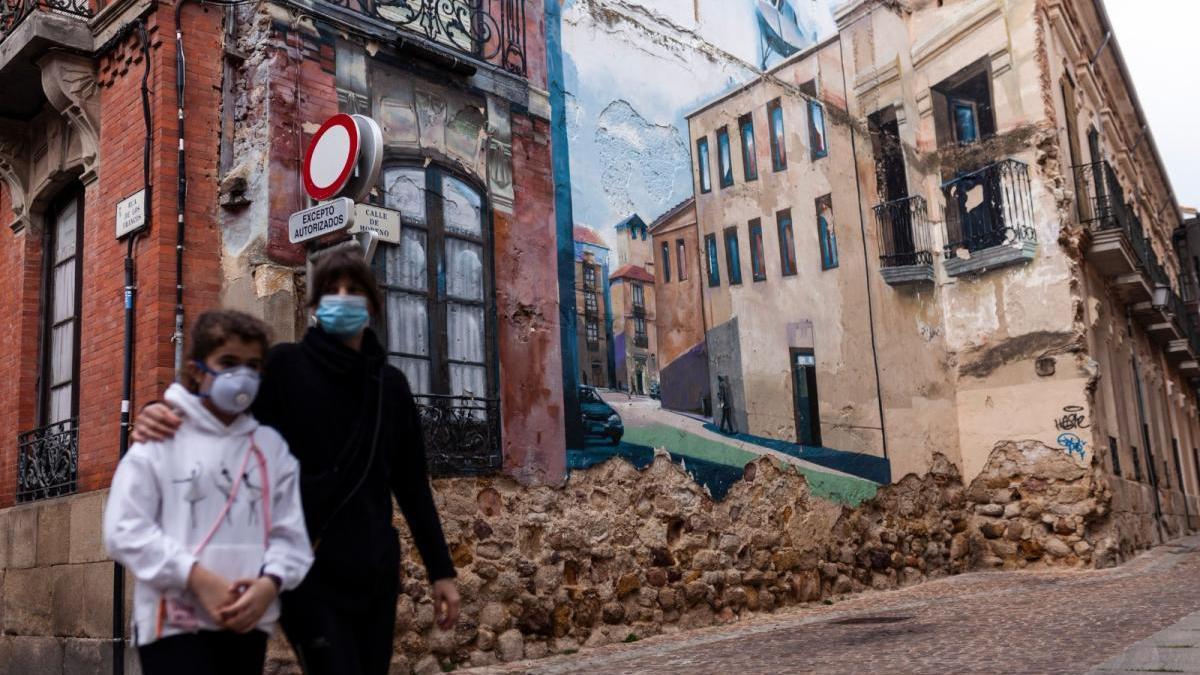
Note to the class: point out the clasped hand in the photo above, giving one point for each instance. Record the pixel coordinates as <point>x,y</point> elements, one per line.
<point>235,606</point>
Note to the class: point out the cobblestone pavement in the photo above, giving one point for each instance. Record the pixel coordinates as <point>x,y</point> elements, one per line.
<point>987,622</point>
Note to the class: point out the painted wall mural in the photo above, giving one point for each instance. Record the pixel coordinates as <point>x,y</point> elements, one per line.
<point>632,72</point>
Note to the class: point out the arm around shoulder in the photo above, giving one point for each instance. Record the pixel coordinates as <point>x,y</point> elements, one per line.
<point>289,552</point>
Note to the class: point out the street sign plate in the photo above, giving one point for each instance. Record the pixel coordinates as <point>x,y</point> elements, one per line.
<point>326,217</point>
<point>384,223</point>
<point>131,213</point>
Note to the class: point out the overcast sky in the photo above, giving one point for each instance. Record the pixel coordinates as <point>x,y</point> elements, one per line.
<point>1161,43</point>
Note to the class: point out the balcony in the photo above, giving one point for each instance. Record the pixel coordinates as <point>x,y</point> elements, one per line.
<point>906,253</point>
<point>989,219</point>
<point>639,310</point>
<point>462,434</point>
<point>29,29</point>
<point>641,341</point>
<point>47,461</point>
<point>488,31</point>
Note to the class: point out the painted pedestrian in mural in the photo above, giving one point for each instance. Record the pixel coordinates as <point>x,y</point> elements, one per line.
<point>208,581</point>
<point>723,399</point>
<point>352,422</point>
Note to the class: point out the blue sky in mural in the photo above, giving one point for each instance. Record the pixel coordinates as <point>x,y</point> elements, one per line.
<point>632,71</point>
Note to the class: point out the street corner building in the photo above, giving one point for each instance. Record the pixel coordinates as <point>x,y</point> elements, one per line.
<point>924,256</point>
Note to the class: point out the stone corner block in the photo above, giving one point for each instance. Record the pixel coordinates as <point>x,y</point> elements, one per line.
<point>87,528</point>
<point>54,532</point>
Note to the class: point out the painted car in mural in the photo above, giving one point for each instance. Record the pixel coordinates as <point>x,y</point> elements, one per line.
<point>599,418</point>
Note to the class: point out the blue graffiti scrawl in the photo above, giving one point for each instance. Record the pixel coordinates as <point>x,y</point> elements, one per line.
<point>1072,444</point>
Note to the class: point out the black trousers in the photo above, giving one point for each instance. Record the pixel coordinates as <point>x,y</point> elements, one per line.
<point>207,652</point>
<point>727,421</point>
<point>336,640</point>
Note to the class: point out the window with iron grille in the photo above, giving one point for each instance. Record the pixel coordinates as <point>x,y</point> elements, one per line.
<point>47,460</point>
<point>593,334</point>
<point>589,302</point>
<point>439,314</point>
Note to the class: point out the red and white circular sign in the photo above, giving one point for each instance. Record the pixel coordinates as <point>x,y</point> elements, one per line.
<point>331,157</point>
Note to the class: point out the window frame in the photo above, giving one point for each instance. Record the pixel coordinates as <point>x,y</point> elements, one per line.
<point>827,235</point>
<point>749,149</point>
<point>724,158</point>
<point>787,242</point>
<point>758,263</point>
<point>666,261</point>
<point>437,297</point>
<point>733,256</point>
<point>46,322</point>
<point>703,162</point>
<point>778,135</point>
<point>592,333</point>
<point>815,109</point>
<point>714,265</point>
<point>681,260</point>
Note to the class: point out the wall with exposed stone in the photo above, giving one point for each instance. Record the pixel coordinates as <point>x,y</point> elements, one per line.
<point>615,552</point>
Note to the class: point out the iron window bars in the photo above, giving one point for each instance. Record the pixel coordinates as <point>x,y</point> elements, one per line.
<point>488,30</point>
<point>904,232</point>
<point>47,461</point>
<point>992,206</point>
<point>462,434</point>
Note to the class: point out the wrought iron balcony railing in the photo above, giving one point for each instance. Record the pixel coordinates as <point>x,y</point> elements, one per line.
<point>47,461</point>
<point>904,232</point>
<point>462,434</point>
<point>639,310</point>
<point>641,341</point>
<point>488,30</point>
<point>1100,201</point>
<point>989,207</point>
<point>13,12</point>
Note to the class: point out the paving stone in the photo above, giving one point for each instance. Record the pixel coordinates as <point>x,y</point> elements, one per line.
<point>964,624</point>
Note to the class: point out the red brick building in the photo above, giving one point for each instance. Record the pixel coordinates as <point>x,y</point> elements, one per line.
<point>460,91</point>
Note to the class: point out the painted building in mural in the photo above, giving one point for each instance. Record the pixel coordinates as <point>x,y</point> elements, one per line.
<point>631,285</point>
<point>679,318</point>
<point>593,320</point>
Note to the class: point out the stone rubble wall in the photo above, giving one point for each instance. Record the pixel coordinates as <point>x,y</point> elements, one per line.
<point>616,554</point>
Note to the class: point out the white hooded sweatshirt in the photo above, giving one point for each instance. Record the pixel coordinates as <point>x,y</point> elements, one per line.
<point>167,511</point>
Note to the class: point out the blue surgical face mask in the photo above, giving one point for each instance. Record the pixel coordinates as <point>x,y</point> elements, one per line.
<point>343,315</point>
<point>232,390</point>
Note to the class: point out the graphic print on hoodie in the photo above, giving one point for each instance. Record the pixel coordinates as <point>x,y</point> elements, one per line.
<point>168,496</point>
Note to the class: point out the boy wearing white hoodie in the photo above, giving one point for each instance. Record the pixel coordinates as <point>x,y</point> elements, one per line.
<point>210,522</point>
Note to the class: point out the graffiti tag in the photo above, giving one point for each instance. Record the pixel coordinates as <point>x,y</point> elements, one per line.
<point>1072,418</point>
<point>1072,444</point>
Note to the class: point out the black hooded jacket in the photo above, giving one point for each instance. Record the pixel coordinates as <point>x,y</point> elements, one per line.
<point>359,442</point>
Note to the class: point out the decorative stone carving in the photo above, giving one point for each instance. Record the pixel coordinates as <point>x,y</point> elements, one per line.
<point>14,170</point>
<point>69,81</point>
<point>499,156</point>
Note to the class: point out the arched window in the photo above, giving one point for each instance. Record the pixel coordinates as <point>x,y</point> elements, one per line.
<point>437,283</point>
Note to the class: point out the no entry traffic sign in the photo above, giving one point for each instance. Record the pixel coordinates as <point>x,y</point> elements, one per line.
<point>343,158</point>
<point>331,157</point>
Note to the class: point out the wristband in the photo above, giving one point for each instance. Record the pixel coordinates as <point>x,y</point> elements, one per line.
<point>274,579</point>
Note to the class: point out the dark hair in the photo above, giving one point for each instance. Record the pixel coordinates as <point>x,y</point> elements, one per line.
<point>214,328</point>
<point>343,264</point>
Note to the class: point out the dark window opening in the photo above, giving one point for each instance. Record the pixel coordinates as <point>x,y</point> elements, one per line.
<point>787,242</point>
<point>778,139</point>
<point>1137,463</point>
<point>758,263</point>
<point>710,251</point>
<point>749,156</point>
<point>703,165</point>
<point>681,259</point>
<point>963,112</point>
<point>666,262</point>
<point>724,159</point>
<point>733,258</point>
<point>804,397</point>
<point>1115,454</point>
<point>1178,464</point>
<point>827,232</point>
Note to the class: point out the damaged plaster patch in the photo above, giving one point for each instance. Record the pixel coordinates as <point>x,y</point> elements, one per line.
<point>983,361</point>
<point>636,152</point>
